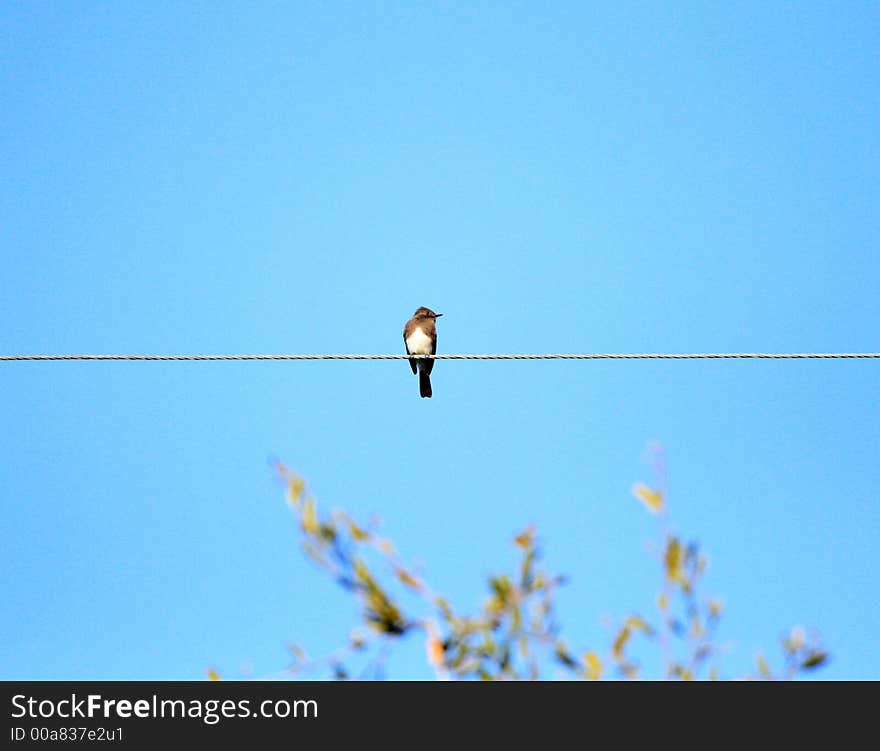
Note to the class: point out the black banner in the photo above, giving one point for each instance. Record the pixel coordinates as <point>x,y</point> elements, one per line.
<point>385,714</point>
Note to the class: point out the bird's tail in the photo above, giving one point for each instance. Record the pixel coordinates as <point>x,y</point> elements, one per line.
<point>424,384</point>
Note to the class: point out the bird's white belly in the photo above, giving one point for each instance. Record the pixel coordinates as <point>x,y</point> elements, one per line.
<point>418,343</point>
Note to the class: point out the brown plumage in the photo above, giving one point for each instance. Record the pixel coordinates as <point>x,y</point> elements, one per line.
<point>420,338</point>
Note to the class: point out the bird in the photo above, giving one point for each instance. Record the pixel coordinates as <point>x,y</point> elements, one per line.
<point>420,338</point>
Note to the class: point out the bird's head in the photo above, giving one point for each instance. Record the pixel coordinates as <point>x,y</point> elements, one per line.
<point>426,313</point>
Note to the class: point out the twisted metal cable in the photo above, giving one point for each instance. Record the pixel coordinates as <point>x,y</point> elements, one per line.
<point>588,356</point>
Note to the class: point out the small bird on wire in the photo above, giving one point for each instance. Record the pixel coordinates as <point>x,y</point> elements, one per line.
<point>420,338</point>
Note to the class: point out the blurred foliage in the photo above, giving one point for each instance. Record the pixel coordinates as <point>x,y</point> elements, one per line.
<point>515,633</point>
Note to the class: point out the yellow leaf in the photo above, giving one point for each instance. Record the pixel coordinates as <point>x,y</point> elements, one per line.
<point>653,499</point>
<point>525,538</point>
<point>636,623</point>
<point>310,517</point>
<point>213,675</point>
<point>356,532</point>
<point>715,608</point>
<point>674,559</point>
<point>407,578</point>
<point>386,547</point>
<point>594,666</point>
<point>620,643</point>
<point>362,573</point>
<point>295,487</point>
<point>662,601</point>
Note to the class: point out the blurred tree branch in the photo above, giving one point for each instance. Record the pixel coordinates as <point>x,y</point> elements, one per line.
<point>515,633</point>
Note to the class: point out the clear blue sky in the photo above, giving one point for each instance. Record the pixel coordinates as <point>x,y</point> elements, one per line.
<point>565,177</point>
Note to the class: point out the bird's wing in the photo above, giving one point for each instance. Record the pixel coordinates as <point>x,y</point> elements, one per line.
<point>429,364</point>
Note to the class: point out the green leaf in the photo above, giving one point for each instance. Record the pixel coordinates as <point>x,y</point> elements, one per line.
<point>814,660</point>
<point>562,654</point>
<point>500,586</point>
<point>763,667</point>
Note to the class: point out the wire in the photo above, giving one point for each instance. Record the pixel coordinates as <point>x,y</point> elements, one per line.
<point>589,356</point>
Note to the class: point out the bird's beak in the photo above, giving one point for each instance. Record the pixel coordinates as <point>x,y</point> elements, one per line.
<point>437,315</point>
